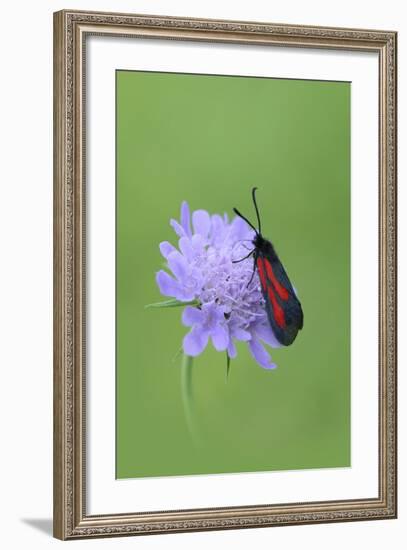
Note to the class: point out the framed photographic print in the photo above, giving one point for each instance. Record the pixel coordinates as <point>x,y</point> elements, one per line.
<point>225,274</point>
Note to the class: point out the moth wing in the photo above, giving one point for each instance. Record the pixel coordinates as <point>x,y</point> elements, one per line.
<point>293,303</point>
<point>282,305</point>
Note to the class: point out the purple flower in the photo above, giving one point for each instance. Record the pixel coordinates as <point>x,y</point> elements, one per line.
<point>203,272</point>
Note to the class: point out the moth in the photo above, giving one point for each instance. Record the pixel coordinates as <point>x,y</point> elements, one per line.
<point>284,311</point>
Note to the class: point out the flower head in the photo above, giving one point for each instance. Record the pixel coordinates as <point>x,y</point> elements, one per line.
<point>230,303</point>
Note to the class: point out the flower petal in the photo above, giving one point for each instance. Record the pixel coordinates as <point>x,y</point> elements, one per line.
<point>260,354</point>
<point>241,334</point>
<point>201,222</point>
<point>195,341</point>
<point>178,265</point>
<point>220,337</point>
<point>166,248</point>
<point>167,285</point>
<point>232,349</point>
<point>214,314</point>
<point>218,227</point>
<point>186,248</point>
<point>265,333</point>
<point>186,219</point>
<point>198,243</point>
<point>192,316</point>
<point>240,229</point>
<point>179,230</point>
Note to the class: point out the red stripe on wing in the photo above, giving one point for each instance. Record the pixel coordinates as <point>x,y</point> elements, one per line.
<point>268,290</point>
<point>281,291</point>
<point>262,273</point>
<point>277,309</point>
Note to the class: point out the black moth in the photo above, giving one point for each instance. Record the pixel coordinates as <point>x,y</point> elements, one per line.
<point>283,308</point>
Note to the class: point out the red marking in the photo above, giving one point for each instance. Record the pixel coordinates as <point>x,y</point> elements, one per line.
<point>281,291</point>
<point>277,309</point>
<point>262,273</point>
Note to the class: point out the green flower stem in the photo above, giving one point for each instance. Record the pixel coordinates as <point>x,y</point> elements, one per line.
<point>187,398</point>
<point>172,303</point>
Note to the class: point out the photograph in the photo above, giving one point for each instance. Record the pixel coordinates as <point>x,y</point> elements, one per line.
<point>233,274</point>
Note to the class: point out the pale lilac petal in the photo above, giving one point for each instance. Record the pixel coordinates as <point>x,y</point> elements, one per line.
<point>265,333</point>
<point>218,225</point>
<point>214,314</point>
<point>260,354</point>
<point>166,248</point>
<point>179,230</point>
<point>197,277</point>
<point>192,316</point>
<point>198,243</point>
<point>240,229</point>
<point>241,334</point>
<point>186,248</point>
<point>220,337</point>
<point>167,285</point>
<point>186,219</point>
<point>186,294</point>
<point>195,341</point>
<point>201,222</point>
<point>232,349</point>
<point>179,266</point>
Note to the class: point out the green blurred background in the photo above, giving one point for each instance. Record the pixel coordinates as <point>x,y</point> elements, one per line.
<point>208,140</point>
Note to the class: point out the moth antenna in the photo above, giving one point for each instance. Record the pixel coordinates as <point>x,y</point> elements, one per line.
<point>257,210</point>
<point>236,211</point>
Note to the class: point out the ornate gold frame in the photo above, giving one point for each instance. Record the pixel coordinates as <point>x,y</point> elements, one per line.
<point>70,31</point>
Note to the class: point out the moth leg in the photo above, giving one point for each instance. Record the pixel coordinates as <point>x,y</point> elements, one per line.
<point>241,259</point>
<point>254,268</point>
